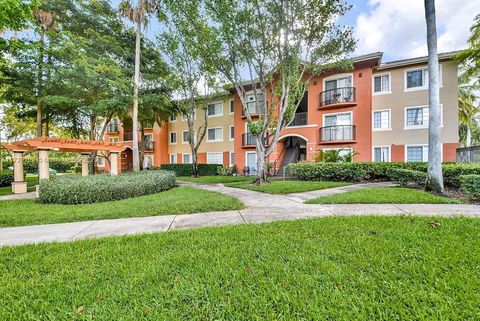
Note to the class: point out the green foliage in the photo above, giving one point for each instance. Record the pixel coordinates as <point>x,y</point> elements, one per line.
<point>224,171</point>
<point>103,188</point>
<point>16,14</point>
<point>76,169</point>
<point>335,156</point>
<point>6,177</point>
<point>452,172</point>
<point>30,165</point>
<point>406,177</point>
<point>186,169</point>
<point>285,187</point>
<point>471,184</point>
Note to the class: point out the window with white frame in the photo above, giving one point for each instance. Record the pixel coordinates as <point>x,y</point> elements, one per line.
<point>147,161</point>
<point>418,78</point>
<point>232,106</point>
<point>215,109</point>
<point>173,137</point>
<point>100,161</point>
<point>173,118</point>
<point>381,119</point>
<point>185,137</point>
<point>342,151</point>
<point>416,117</point>
<point>232,132</point>
<point>215,134</point>
<point>381,84</point>
<point>417,153</point>
<point>215,158</point>
<point>381,153</point>
<point>187,158</point>
<point>173,158</point>
<point>232,158</point>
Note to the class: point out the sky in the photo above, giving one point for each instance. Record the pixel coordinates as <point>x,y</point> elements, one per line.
<point>397,27</point>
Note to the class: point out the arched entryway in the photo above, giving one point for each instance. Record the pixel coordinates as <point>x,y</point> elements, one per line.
<point>126,160</point>
<point>293,149</point>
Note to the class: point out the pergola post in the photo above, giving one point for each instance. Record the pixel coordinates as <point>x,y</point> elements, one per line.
<point>19,185</point>
<point>85,158</point>
<point>43,164</point>
<point>114,163</point>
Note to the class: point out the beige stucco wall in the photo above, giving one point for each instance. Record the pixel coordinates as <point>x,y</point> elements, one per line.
<point>398,99</point>
<point>223,121</point>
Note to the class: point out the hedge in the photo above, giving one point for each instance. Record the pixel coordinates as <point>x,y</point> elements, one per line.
<point>103,188</point>
<point>471,184</point>
<point>31,165</point>
<point>406,177</point>
<point>371,171</point>
<point>186,169</point>
<point>6,178</point>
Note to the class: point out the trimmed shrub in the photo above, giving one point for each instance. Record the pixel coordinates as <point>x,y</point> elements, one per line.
<point>350,172</point>
<point>31,165</point>
<point>453,172</point>
<point>470,184</point>
<point>186,169</point>
<point>76,169</point>
<point>406,177</point>
<point>103,188</point>
<point>224,171</point>
<point>6,178</point>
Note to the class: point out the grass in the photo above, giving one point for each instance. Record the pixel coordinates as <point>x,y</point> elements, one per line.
<point>31,182</point>
<point>338,268</point>
<point>216,179</point>
<point>179,200</point>
<point>392,195</point>
<point>286,187</point>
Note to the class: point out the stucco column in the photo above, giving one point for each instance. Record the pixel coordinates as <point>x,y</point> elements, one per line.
<point>18,185</point>
<point>113,163</point>
<point>43,172</point>
<point>84,158</point>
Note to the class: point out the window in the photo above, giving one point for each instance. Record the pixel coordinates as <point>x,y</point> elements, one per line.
<point>186,137</point>
<point>338,90</point>
<point>417,153</point>
<point>173,118</point>
<point>232,158</point>
<point>147,161</point>
<point>381,84</point>
<point>100,161</point>
<point>113,139</point>
<point>173,158</point>
<point>215,109</point>
<point>215,134</point>
<point>173,137</point>
<point>416,117</point>
<point>187,158</point>
<point>381,119</point>
<point>232,106</point>
<point>232,133</point>
<point>381,154</point>
<point>417,79</point>
<point>215,158</point>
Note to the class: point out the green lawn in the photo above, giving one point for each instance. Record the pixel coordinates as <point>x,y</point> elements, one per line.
<point>338,268</point>
<point>31,182</point>
<point>179,200</point>
<point>286,187</point>
<point>216,179</point>
<point>391,195</point>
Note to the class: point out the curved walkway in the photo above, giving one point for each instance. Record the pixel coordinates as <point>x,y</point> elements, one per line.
<point>260,207</point>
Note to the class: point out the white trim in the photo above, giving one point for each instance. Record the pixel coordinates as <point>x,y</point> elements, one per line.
<point>382,146</point>
<point>389,120</point>
<point>173,121</point>
<point>424,126</point>
<point>301,126</point>
<point>339,113</point>
<point>389,84</point>
<point>246,158</point>
<point>230,158</point>
<point>186,131</point>
<point>170,158</point>
<point>229,102</point>
<point>340,148</point>
<point>424,157</point>
<point>336,77</point>
<point>424,87</point>
<point>183,158</point>
<point>215,140</point>
<point>210,153</point>
<point>214,103</point>
<point>170,138</point>
<point>293,135</point>
<point>230,133</point>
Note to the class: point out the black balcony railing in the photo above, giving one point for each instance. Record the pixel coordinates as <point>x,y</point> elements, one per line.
<point>113,128</point>
<point>254,108</point>
<point>343,95</point>
<point>248,140</point>
<point>299,120</point>
<point>337,133</point>
<point>128,136</point>
<point>148,145</point>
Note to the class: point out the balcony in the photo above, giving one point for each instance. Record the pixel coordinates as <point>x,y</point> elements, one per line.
<point>248,140</point>
<point>338,97</point>
<point>299,120</point>
<point>337,134</point>
<point>148,145</point>
<point>127,137</point>
<point>254,108</point>
<point>113,128</point>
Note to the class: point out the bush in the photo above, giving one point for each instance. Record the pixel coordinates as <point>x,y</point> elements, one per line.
<point>470,184</point>
<point>406,177</point>
<point>453,172</point>
<point>350,172</point>
<point>6,178</point>
<point>224,171</point>
<point>76,169</point>
<point>30,165</point>
<point>103,188</point>
<point>186,169</point>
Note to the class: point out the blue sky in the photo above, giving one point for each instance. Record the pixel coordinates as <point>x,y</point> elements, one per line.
<point>397,27</point>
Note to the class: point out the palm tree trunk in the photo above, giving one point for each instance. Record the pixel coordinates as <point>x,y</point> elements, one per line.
<point>468,139</point>
<point>434,171</point>
<point>136,84</point>
<point>39,83</point>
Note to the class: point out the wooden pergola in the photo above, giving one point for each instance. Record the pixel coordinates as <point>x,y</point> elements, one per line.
<point>46,144</point>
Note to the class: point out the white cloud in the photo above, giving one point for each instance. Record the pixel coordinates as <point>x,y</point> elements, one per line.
<point>398,27</point>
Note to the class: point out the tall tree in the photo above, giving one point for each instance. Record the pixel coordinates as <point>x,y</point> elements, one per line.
<point>434,171</point>
<point>271,48</point>
<point>16,15</point>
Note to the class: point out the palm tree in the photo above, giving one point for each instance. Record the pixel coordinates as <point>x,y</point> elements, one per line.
<point>468,110</point>
<point>434,171</point>
<point>139,16</point>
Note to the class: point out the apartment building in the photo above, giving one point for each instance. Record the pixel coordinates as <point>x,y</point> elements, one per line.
<point>377,110</point>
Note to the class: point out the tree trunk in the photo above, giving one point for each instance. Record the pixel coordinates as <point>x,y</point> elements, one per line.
<point>39,83</point>
<point>195,172</point>
<point>434,171</point>
<point>136,84</point>
<point>262,161</point>
<point>142,146</point>
<point>468,139</point>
